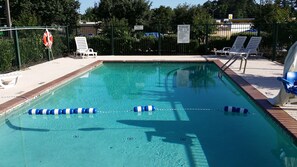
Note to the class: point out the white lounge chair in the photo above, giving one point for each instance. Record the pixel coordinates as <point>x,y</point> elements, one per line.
<point>82,48</point>
<point>8,80</point>
<point>237,46</point>
<point>250,49</point>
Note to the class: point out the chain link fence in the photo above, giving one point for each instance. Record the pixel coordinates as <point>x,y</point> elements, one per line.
<point>23,46</point>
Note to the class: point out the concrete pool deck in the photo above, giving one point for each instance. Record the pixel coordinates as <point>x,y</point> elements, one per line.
<point>260,74</point>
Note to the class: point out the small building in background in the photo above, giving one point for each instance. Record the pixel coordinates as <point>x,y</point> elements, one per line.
<point>227,27</point>
<point>242,25</point>
<point>88,28</point>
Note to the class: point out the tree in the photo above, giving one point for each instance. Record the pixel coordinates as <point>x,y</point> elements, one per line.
<point>2,11</point>
<point>50,12</point>
<point>89,15</point>
<point>272,13</point>
<point>239,8</point>
<point>26,19</point>
<point>182,14</point>
<point>140,11</point>
<point>186,14</point>
<point>286,3</point>
<point>201,19</point>
<point>120,28</point>
<point>135,11</point>
<point>162,17</point>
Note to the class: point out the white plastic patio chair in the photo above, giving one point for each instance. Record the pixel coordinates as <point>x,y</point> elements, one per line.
<point>237,46</point>
<point>8,80</point>
<point>250,49</point>
<point>82,48</point>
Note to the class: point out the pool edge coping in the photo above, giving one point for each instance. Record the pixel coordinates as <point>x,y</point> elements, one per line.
<point>281,117</point>
<point>8,106</point>
<point>277,114</point>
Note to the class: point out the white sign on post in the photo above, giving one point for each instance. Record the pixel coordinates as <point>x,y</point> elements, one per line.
<point>183,34</point>
<point>138,27</point>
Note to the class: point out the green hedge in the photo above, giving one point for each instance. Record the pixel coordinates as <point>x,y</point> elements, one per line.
<point>140,46</point>
<point>32,51</point>
<point>6,55</point>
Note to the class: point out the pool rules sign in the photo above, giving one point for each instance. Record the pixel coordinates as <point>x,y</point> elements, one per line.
<point>183,34</point>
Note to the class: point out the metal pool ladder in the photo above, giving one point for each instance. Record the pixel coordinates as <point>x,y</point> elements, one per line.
<point>231,61</point>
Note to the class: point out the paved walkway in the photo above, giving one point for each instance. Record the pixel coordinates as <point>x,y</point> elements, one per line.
<point>40,75</point>
<point>260,73</point>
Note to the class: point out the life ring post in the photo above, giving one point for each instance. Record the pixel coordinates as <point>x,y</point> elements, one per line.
<point>50,54</point>
<point>48,41</point>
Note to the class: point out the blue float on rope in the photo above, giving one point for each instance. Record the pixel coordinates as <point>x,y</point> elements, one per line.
<point>90,110</point>
<point>138,109</point>
<point>242,110</point>
<point>144,108</point>
<point>33,112</point>
<point>62,111</point>
<point>230,109</point>
<point>56,112</point>
<point>79,111</point>
<point>67,111</point>
<point>44,111</point>
<point>236,109</point>
<point>149,108</point>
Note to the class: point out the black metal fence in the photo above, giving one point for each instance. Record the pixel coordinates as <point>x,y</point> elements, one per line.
<point>22,46</point>
<point>124,40</point>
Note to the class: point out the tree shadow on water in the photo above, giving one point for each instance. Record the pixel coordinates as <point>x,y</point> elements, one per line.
<point>177,132</point>
<point>91,129</point>
<point>10,125</point>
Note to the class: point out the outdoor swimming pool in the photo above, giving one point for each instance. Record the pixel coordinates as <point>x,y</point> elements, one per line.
<point>189,127</point>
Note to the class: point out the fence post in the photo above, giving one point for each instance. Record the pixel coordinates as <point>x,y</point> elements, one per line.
<point>67,39</point>
<point>206,37</point>
<point>159,39</point>
<point>275,38</point>
<point>259,30</point>
<point>17,48</point>
<point>112,39</point>
<point>49,53</point>
<point>76,30</point>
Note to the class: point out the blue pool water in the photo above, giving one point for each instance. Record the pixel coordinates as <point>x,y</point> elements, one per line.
<point>189,127</point>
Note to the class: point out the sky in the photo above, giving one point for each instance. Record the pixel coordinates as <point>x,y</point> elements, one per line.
<point>84,4</point>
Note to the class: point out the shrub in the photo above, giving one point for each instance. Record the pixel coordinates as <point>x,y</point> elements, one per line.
<point>32,50</point>
<point>146,45</point>
<point>6,55</point>
<point>100,45</point>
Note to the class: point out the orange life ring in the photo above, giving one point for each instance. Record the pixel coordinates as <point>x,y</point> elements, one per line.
<point>48,39</point>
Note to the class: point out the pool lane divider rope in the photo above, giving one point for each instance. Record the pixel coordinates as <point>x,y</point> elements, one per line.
<point>236,109</point>
<point>62,111</point>
<point>144,108</point>
<point>232,109</point>
<point>138,109</point>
